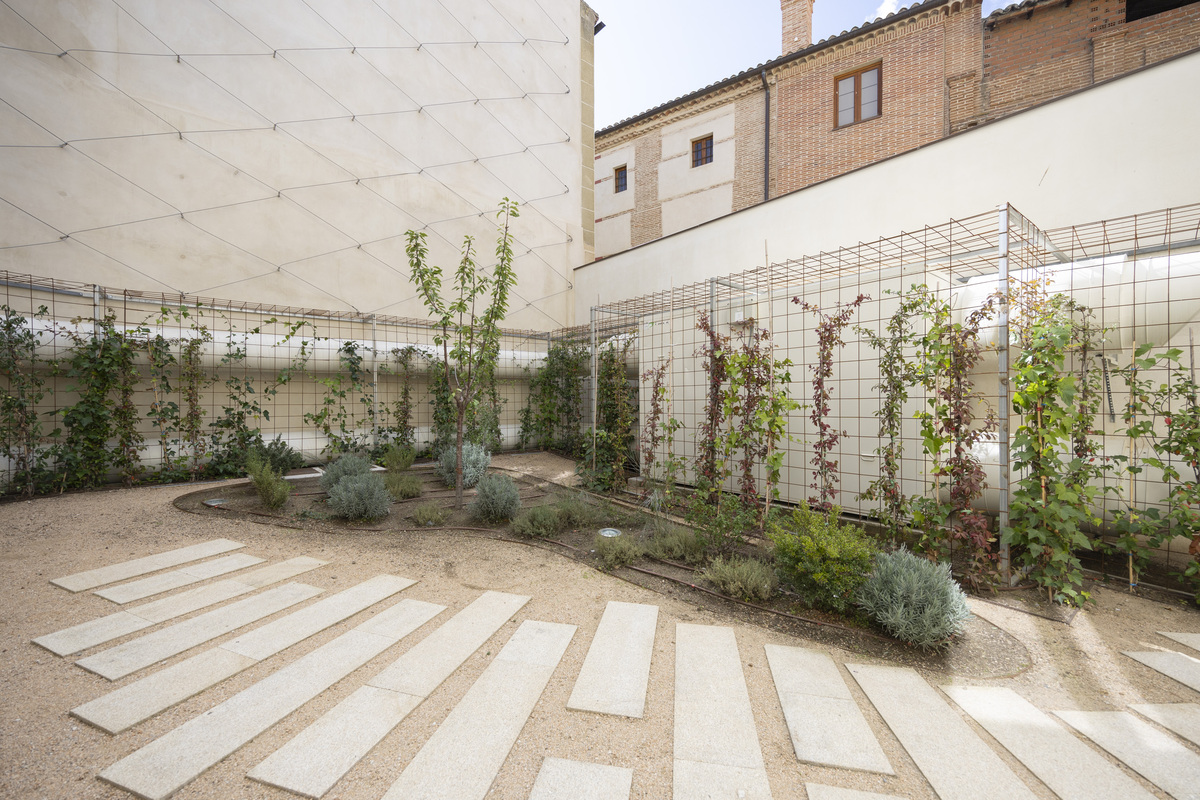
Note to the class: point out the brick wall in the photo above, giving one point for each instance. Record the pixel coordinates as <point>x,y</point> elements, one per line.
<point>647,210</point>
<point>748,161</point>
<point>922,60</point>
<point>797,24</point>
<point>1058,47</point>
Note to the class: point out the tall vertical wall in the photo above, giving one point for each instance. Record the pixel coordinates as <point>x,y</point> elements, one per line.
<point>277,151</point>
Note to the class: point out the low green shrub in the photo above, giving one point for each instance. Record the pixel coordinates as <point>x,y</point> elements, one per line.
<point>722,529</point>
<point>743,578</point>
<point>822,559</point>
<point>430,515</point>
<point>497,499</point>
<point>539,522</point>
<point>346,466</point>
<point>577,512</point>
<point>617,551</point>
<point>914,599</point>
<point>402,486</point>
<point>476,459</point>
<point>360,497</point>
<point>675,543</point>
<point>272,489</point>
<point>279,455</point>
<point>398,458</point>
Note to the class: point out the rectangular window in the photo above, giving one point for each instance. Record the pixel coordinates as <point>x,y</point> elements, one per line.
<point>702,151</point>
<point>1137,9</point>
<point>859,95</point>
<point>620,179</point>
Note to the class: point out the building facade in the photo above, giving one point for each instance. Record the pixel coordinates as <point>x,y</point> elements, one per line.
<point>885,88</point>
<point>277,151</point>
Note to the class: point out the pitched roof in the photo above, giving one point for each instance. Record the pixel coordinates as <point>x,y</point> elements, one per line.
<point>866,27</point>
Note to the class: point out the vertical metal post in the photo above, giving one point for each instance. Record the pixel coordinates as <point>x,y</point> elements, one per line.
<point>374,384</point>
<point>1004,391</point>
<point>97,301</point>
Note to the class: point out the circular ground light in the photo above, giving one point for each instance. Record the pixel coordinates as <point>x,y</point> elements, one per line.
<point>610,533</point>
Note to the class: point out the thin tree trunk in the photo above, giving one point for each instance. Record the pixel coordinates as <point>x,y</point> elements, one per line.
<point>458,465</point>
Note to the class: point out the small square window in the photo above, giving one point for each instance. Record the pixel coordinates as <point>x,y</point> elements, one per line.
<point>858,95</point>
<point>702,151</point>
<point>620,178</point>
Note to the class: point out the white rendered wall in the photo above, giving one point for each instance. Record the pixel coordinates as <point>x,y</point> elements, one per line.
<point>1124,147</point>
<point>277,150</point>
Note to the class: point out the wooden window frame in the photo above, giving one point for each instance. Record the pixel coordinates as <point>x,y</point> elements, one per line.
<point>703,156</point>
<point>857,75</point>
<point>621,179</point>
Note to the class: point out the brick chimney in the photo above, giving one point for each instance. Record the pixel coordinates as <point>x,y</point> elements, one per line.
<point>797,24</point>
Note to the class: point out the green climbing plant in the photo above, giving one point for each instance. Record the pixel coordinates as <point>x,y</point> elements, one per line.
<point>22,435</point>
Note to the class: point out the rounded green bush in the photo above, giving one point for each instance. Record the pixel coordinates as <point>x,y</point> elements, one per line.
<point>402,486</point>
<point>430,515</point>
<point>360,497</point>
<point>345,466</point>
<point>823,560</point>
<point>914,599</point>
<point>496,499</point>
<point>743,578</point>
<point>476,459</point>
<point>398,457</point>
<point>617,551</point>
<point>539,522</point>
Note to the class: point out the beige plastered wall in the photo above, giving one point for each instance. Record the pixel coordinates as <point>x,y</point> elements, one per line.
<point>278,151</point>
<point>1120,148</point>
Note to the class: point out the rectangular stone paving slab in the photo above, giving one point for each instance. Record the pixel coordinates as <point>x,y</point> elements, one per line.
<point>818,791</point>
<point>1181,719</point>
<point>950,755</point>
<point>142,699</point>
<point>616,671</point>
<point>1179,666</point>
<point>460,760</point>
<point>1191,640</point>
<point>826,725</point>
<point>128,658</point>
<point>177,578</point>
<point>113,626</point>
<point>101,576</point>
<point>560,779</point>
<point>1061,761</point>
<point>314,761</point>
<point>716,741</point>
<point>168,763</point>
<point>1155,755</point>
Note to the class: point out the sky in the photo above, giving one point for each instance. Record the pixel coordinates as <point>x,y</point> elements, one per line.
<point>652,51</point>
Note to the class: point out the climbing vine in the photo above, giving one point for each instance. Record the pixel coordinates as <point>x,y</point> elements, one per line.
<point>829,336</point>
<point>711,471</point>
<point>608,448</point>
<point>659,430</point>
<point>951,427</point>
<point>553,416</point>
<point>21,430</point>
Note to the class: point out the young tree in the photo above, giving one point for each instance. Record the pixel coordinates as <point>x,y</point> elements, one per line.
<point>469,338</point>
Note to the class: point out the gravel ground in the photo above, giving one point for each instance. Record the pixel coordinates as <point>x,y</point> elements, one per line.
<point>45,753</point>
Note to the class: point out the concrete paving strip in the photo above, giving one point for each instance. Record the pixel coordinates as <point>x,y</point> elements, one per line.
<point>153,694</point>
<point>168,763</point>
<point>460,760</point>
<point>105,629</point>
<point>1179,666</point>
<point>1191,640</point>
<point>316,759</point>
<point>1069,767</point>
<point>145,651</point>
<point>1156,756</point>
<point>1181,719</point>
<point>177,578</point>
<point>953,758</point>
<point>716,741</point>
<point>817,791</point>
<point>826,725</point>
<point>560,779</point>
<point>430,661</point>
<point>616,672</point>
<point>101,576</point>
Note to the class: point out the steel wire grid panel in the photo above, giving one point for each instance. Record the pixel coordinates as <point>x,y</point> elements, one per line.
<point>1139,275</point>
<point>293,364</point>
